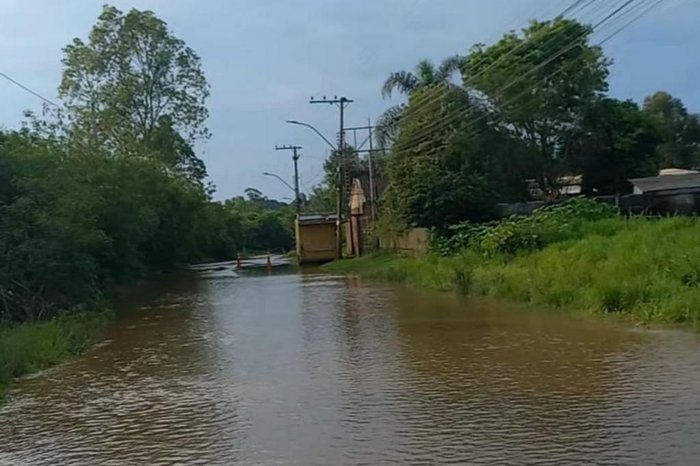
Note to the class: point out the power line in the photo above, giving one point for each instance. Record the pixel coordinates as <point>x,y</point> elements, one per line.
<point>522,45</point>
<point>473,134</point>
<point>572,8</point>
<point>562,14</point>
<point>650,6</point>
<point>443,122</point>
<point>577,6</point>
<point>34,93</point>
<point>636,18</point>
<point>309,183</point>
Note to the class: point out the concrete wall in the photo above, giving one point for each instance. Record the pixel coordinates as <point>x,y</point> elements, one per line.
<point>685,203</point>
<point>316,243</point>
<point>627,204</point>
<point>413,243</point>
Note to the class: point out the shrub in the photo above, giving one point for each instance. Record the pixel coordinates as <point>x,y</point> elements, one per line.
<point>29,347</point>
<point>556,223</point>
<point>459,237</point>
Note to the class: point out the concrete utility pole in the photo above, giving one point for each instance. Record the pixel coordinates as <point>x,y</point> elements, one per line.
<point>295,157</point>
<point>342,103</point>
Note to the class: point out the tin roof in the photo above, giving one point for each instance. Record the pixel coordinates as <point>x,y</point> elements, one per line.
<point>684,182</point>
<point>317,218</point>
<point>676,171</point>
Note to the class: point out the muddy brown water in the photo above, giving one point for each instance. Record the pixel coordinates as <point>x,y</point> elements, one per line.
<point>314,369</point>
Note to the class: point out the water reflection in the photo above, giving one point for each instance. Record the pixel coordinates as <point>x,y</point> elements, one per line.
<point>314,369</point>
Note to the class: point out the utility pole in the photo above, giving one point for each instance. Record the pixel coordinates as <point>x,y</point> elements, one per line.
<point>295,157</point>
<point>342,103</point>
<point>372,208</point>
<point>370,162</point>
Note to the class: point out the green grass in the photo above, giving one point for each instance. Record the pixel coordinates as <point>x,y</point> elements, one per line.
<point>31,347</point>
<point>645,269</point>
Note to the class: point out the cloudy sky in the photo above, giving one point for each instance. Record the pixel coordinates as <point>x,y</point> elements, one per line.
<point>265,58</point>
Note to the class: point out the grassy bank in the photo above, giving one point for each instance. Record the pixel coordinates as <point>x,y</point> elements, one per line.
<point>646,269</point>
<point>31,347</point>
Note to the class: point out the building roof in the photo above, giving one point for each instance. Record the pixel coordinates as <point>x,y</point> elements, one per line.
<point>689,182</point>
<point>676,171</point>
<point>317,218</point>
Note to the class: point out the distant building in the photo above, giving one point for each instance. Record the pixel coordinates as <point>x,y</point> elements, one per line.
<point>676,171</point>
<point>674,190</point>
<point>566,186</point>
<point>316,238</point>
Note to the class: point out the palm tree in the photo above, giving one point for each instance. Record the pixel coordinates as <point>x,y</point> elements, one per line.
<point>406,83</point>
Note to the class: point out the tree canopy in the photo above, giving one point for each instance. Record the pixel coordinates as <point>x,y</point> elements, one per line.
<point>406,82</point>
<point>134,87</point>
<point>113,188</point>
<point>531,114</point>
<point>680,131</point>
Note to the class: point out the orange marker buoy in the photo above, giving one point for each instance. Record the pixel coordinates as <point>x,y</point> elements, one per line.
<point>269,262</point>
<point>239,265</point>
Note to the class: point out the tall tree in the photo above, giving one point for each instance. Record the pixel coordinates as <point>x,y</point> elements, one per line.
<point>540,83</point>
<point>437,179</point>
<point>406,83</point>
<point>134,87</point>
<point>614,142</point>
<point>680,130</point>
<point>354,166</point>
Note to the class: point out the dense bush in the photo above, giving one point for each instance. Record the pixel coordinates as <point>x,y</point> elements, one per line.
<point>74,224</point>
<point>459,237</point>
<point>551,224</point>
<point>648,269</point>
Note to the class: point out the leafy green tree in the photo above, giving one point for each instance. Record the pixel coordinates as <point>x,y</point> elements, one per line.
<point>406,82</point>
<point>614,142</point>
<point>134,88</point>
<point>539,83</point>
<point>680,130</point>
<point>433,179</point>
<point>112,188</point>
<point>322,199</point>
<point>254,194</point>
<point>349,160</point>
<point>426,74</point>
<point>50,241</point>
<point>265,224</point>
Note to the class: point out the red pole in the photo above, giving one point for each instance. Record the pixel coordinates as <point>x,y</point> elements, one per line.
<point>239,265</point>
<point>269,262</point>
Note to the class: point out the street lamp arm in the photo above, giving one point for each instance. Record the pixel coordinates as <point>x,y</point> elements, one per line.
<point>279,178</point>
<point>301,123</point>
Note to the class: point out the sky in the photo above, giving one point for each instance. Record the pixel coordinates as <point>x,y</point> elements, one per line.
<point>264,59</point>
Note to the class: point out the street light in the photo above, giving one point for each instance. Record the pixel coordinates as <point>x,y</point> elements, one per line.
<point>301,123</point>
<point>281,179</point>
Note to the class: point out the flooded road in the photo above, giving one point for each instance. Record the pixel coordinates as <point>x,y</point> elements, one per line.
<point>312,369</point>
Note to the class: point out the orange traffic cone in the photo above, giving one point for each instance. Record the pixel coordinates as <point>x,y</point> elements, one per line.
<point>239,265</point>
